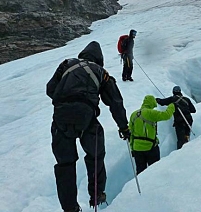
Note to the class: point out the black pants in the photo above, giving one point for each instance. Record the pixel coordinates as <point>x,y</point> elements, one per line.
<point>65,152</point>
<point>127,66</point>
<point>146,158</point>
<point>183,133</point>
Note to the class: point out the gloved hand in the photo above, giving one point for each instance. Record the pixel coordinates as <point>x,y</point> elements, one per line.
<point>124,133</point>
<point>123,55</point>
<point>158,100</point>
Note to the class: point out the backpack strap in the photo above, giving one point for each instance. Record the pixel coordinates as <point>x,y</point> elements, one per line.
<point>154,124</point>
<point>92,75</point>
<point>145,138</point>
<point>85,66</point>
<point>181,98</point>
<point>139,115</point>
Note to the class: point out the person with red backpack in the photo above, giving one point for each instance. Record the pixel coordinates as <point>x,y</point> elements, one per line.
<point>125,47</point>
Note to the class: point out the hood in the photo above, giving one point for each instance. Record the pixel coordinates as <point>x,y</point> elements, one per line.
<point>176,90</point>
<point>93,53</point>
<point>132,33</point>
<point>149,102</point>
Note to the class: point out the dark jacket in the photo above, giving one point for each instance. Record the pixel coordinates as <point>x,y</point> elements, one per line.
<point>181,102</point>
<point>83,85</point>
<point>128,45</point>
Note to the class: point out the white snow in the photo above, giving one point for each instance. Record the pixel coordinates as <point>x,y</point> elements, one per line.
<point>167,53</point>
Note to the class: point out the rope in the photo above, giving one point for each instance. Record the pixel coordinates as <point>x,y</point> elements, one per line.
<point>96,149</point>
<point>149,78</point>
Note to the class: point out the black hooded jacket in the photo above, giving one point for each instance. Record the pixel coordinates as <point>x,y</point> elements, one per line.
<point>181,102</point>
<point>93,53</point>
<point>83,80</point>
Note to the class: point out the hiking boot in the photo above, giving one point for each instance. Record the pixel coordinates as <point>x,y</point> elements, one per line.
<point>75,209</point>
<point>130,79</point>
<point>100,199</point>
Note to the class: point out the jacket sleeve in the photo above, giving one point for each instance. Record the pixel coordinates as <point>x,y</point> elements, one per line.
<point>111,96</point>
<point>165,101</point>
<point>191,107</point>
<point>52,84</point>
<point>157,115</point>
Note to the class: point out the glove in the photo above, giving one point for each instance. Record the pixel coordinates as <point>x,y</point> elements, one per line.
<point>124,133</point>
<point>158,100</point>
<point>123,55</point>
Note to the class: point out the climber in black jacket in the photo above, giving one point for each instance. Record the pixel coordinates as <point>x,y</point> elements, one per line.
<point>75,90</point>
<point>186,107</point>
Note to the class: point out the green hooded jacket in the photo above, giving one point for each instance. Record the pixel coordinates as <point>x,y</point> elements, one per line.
<point>144,126</point>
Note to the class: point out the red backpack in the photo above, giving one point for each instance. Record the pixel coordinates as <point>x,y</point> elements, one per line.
<point>120,46</point>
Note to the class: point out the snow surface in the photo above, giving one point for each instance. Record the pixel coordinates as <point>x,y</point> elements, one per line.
<point>167,53</point>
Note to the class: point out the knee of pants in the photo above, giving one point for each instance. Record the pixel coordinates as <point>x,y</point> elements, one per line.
<point>65,160</point>
<point>63,165</point>
<point>90,157</point>
<point>93,139</point>
<point>63,148</point>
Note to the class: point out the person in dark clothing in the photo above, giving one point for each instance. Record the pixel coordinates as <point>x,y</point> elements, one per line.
<point>186,107</point>
<point>127,56</point>
<point>75,89</point>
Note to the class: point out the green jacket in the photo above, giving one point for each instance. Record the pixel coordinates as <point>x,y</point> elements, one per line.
<point>144,128</point>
